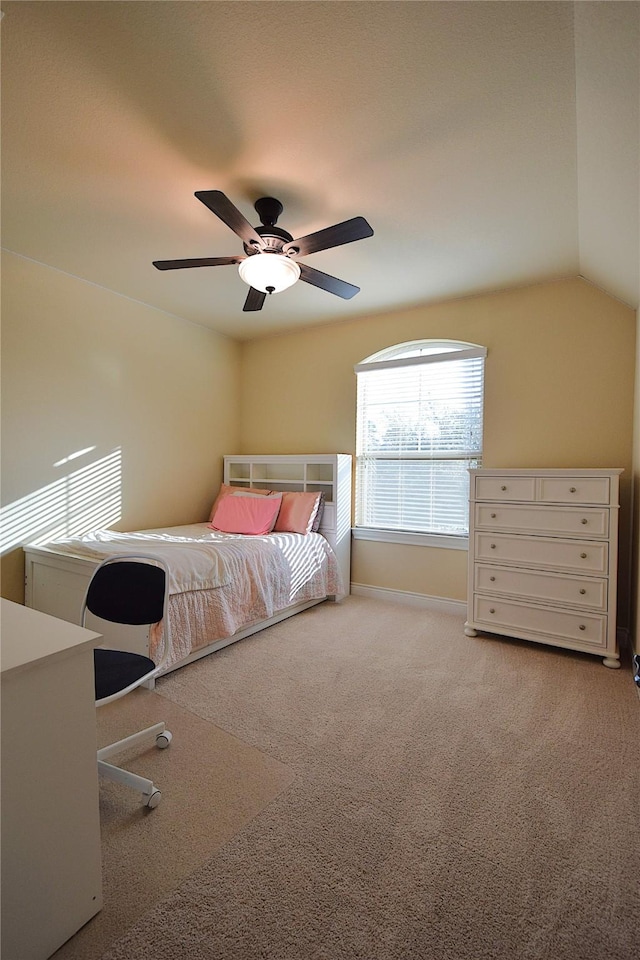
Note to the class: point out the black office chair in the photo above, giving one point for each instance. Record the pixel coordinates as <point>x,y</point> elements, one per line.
<point>134,591</point>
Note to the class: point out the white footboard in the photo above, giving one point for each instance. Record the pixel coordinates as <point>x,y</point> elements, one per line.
<point>56,585</point>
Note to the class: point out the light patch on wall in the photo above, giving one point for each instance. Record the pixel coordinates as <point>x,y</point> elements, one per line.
<point>85,499</point>
<point>73,456</point>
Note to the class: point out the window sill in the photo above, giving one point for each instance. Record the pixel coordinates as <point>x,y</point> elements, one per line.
<point>416,539</point>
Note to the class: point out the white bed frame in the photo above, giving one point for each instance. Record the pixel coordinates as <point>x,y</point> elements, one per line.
<point>55,583</point>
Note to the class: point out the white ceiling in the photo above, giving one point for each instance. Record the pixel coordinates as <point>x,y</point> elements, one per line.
<point>488,145</point>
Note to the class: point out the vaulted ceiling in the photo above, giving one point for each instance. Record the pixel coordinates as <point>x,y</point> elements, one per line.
<point>488,144</point>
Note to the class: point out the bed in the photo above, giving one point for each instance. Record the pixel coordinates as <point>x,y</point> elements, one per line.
<point>224,585</point>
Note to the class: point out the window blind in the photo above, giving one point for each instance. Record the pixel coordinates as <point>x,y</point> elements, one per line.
<point>419,430</point>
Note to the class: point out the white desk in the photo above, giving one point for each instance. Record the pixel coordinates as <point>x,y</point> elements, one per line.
<point>51,866</point>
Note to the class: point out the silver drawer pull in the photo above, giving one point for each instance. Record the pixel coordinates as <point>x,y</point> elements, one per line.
<point>572,489</point>
<point>583,591</point>
<point>582,627</point>
<point>583,556</point>
<point>493,579</point>
<point>503,487</point>
<point>584,520</point>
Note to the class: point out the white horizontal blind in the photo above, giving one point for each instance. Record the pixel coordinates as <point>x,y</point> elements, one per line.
<point>419,430</point>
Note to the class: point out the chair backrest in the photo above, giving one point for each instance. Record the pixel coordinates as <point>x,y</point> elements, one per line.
<point>127,591</point>
<point>132,590</point>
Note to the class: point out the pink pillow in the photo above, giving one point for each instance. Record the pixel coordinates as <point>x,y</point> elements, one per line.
<point>226,491</point>
<point>297,512</point>
<point>249,515</point>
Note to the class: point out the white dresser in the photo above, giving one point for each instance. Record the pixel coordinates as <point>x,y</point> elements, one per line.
<point>543,557</point>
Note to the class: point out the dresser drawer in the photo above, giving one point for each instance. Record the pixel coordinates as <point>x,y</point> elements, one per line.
<point>507,616</point>
<point>564,521</point>
<point>572,556</point>
<point>574,489</point>
<point>505,488</point>
<point>590,592</point>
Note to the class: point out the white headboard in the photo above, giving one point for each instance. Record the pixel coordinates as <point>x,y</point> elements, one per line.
<point>330,473</point>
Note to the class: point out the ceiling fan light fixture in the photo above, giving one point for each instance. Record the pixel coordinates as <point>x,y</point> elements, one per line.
<point>269,272</point>
<point>271,253</point>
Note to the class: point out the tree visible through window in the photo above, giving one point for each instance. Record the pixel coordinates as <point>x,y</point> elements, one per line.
<point>419,430</point>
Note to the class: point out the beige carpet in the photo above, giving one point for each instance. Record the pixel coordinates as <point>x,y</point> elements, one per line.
<point>453,798</point>
<point>212,785</point>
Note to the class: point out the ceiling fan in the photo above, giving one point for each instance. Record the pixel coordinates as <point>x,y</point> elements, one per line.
<point>271,256</point>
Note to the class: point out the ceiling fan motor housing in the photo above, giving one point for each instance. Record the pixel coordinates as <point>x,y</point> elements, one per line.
<point>274,239</point>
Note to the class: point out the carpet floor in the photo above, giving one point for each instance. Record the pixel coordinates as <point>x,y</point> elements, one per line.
<point>212,785</point>
<point>364,781</point>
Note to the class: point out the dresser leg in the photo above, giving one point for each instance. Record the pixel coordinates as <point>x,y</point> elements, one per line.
<point>469,631</point>
<point>612,662</point>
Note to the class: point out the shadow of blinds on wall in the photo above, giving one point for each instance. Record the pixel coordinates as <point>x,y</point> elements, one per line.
<point>419,430</point>
<point>83,499</point>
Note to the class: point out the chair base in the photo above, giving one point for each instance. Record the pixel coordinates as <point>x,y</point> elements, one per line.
<point>150,794</point>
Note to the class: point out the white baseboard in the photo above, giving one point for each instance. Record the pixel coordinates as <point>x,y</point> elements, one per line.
<point>415,599</point>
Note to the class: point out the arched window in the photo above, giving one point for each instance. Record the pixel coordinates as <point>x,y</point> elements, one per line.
<point>419,430</point>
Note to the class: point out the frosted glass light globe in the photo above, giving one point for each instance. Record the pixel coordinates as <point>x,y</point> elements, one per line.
<point>269,272</point>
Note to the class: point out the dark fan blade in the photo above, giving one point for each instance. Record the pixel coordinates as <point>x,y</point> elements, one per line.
<point>346,232</point>
<point>219,204</point>
<point>255,299</point>
<point>326,282</point>
<point>201,262</point>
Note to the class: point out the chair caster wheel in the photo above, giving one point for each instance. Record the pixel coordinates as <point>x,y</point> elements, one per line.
<point>154,799</point>
<point>164,739</point>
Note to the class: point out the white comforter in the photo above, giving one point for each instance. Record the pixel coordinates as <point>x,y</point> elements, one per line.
<point>220,582</point>
<point>199,558</point>
<point>189,551</point>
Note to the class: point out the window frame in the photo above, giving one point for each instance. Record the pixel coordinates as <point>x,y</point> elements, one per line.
<point>400,355</point>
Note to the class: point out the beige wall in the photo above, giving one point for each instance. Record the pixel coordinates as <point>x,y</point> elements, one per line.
<point>151,398</point>
<point>154,402</point>
<point>559,393</point>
